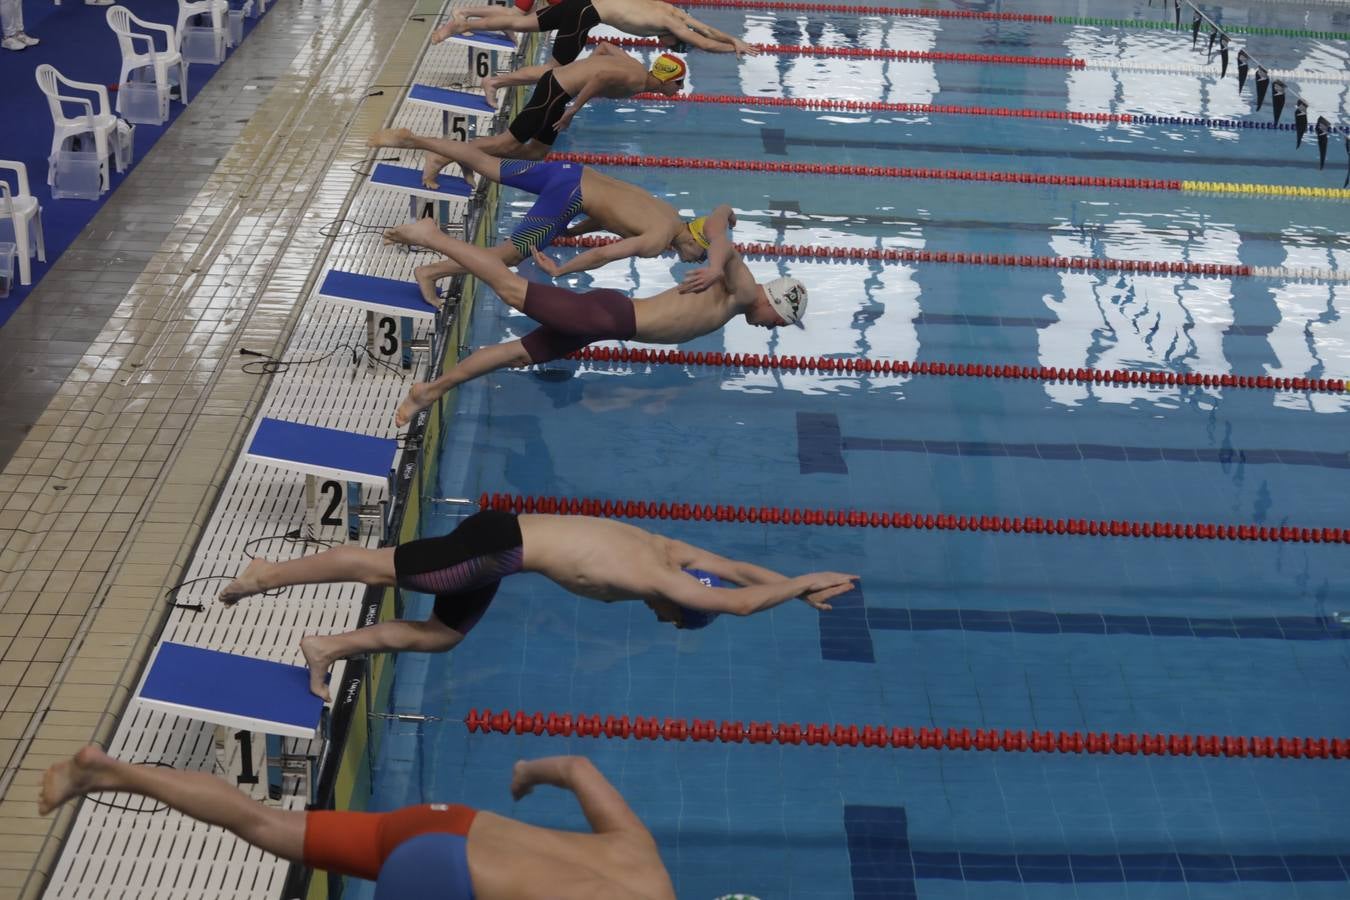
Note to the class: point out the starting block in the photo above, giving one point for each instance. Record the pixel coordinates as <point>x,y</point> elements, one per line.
<point>456,109</point>
<point>253,703</point>
<point>401,178</point>
<point>391,306</point>
<point>335,465</point>
<point>483,49</point>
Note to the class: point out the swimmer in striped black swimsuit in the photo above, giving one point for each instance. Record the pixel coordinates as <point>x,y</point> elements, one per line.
<point>601,559</point>
<point>434,851</point>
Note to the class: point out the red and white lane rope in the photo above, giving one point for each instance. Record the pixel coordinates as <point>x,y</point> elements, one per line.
<point>915,521</point>
<point>916,172</point>
<point>1062,62</point>
<point>788,6</point>
<point>1020,740</point>
<point>1009,260</point>
<point>824,103</point>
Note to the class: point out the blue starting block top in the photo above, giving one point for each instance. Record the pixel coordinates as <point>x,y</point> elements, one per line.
<point>499,41</point>
<point>401,178</point>
<point>325,452</point>
<point>385,295</point>
<point>451,101</point>
<point>231,690</point>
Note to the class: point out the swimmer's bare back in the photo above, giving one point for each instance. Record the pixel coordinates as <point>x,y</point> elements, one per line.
<point>627,209</point>
<point>597,558</point>
<point>510,859</point>
<point>645,18</point>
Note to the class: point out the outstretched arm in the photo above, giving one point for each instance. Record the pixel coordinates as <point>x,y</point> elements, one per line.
<point>596,257</point>
<point>687,556</point>
<point>816,588</point>
<point>705,37</point>
<point>603,805</point>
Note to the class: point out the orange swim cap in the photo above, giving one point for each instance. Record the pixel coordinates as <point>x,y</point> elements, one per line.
<point>667,68</point>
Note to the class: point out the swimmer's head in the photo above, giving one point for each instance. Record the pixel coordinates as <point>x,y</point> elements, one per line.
<point>783,302</point>
<point>670,42</point>
<point>668,70</point>
<point>691,242</point>
<point>682,617</point>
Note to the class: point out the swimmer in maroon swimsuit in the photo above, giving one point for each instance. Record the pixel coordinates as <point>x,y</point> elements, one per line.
<point>706,300</point>
<point>597,558</point>
<point>473,855</point>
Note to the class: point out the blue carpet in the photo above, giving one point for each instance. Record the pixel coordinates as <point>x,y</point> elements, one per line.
<point>76,40</point>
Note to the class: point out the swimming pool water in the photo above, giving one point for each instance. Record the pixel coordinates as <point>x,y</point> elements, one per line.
<point>948,629</point>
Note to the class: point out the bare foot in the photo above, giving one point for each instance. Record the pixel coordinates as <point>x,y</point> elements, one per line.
<point>431,167</point>
<point>402,138</point>
<point>490,90</point>
<point>449,28</point>
<point>417,400</point>
<point>426,283</point>
<point>318,662</point>
<point>71,778</point>
<point>248,583</point>
<point>418,234</point>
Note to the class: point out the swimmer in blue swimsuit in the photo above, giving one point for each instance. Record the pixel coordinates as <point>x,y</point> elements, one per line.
<point>648,225</point>
<point>602,559</point>
<point>434,851</point>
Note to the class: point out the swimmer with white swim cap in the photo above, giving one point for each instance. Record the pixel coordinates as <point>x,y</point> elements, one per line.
<point>602,559</point>
<point>434,851</point>
<point>706,300</point>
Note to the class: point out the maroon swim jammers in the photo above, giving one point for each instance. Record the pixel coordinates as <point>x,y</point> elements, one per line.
<point>569,320</point>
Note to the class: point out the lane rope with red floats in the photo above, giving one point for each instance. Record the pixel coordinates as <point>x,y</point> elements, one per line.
<point>1061,62</point>
<point>1100,743</point>
<point>788,6</point>
<point>861,365</point>
<point>1006,260</point>
<point>912,521</point>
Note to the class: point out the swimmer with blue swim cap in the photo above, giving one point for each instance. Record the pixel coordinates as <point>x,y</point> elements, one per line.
<point>433,851</point>
<point>602,559</point>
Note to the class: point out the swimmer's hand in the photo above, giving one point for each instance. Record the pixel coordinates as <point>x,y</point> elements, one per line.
<point>700,280</point>
<point>565,119</point>
<point>824,586</point>
<point>546,262</point>
<point>521,782</point>
<point>743,49</point>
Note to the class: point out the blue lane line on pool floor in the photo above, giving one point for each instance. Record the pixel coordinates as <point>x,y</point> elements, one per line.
<point>846,630</point>
<point>885,866</point>
<point>821,444</point>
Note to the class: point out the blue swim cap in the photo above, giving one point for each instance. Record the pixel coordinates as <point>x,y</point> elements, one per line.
<point>694,619</point>
<point>427,867</point>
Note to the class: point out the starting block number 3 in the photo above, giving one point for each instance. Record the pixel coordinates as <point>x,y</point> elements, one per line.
<point>389,337</point>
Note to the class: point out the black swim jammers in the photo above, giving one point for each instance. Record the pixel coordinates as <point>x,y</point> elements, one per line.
<point>463,568</point>
<point>538,121</point>
<point>573,21</point>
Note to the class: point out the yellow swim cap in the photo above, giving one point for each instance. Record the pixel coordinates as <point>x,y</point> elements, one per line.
<point>667,68</point>
<point>696,229</point>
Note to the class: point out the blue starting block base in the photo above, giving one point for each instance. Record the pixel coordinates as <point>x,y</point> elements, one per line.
<point>497,41</point>
<point>231,690</point>
<point>409,181</point>
<point>387,296</point>
<point>323,452</point>
<point>447,100</point>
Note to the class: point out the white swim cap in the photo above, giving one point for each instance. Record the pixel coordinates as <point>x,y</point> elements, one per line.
<point>787,296</point>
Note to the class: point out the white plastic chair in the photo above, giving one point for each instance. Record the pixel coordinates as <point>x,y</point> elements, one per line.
<point>120,21</point>
<point>98,122</point>
<point>217,9</point>
<point>21,208</point>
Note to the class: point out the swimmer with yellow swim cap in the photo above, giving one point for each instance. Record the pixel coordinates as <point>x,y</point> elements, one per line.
<point>669,68</point>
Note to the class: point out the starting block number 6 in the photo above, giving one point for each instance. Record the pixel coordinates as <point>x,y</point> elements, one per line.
<point>482,63</point>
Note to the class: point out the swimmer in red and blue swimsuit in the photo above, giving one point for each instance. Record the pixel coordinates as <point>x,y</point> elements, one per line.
<point>602,559</point>
<point>435,851</point>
